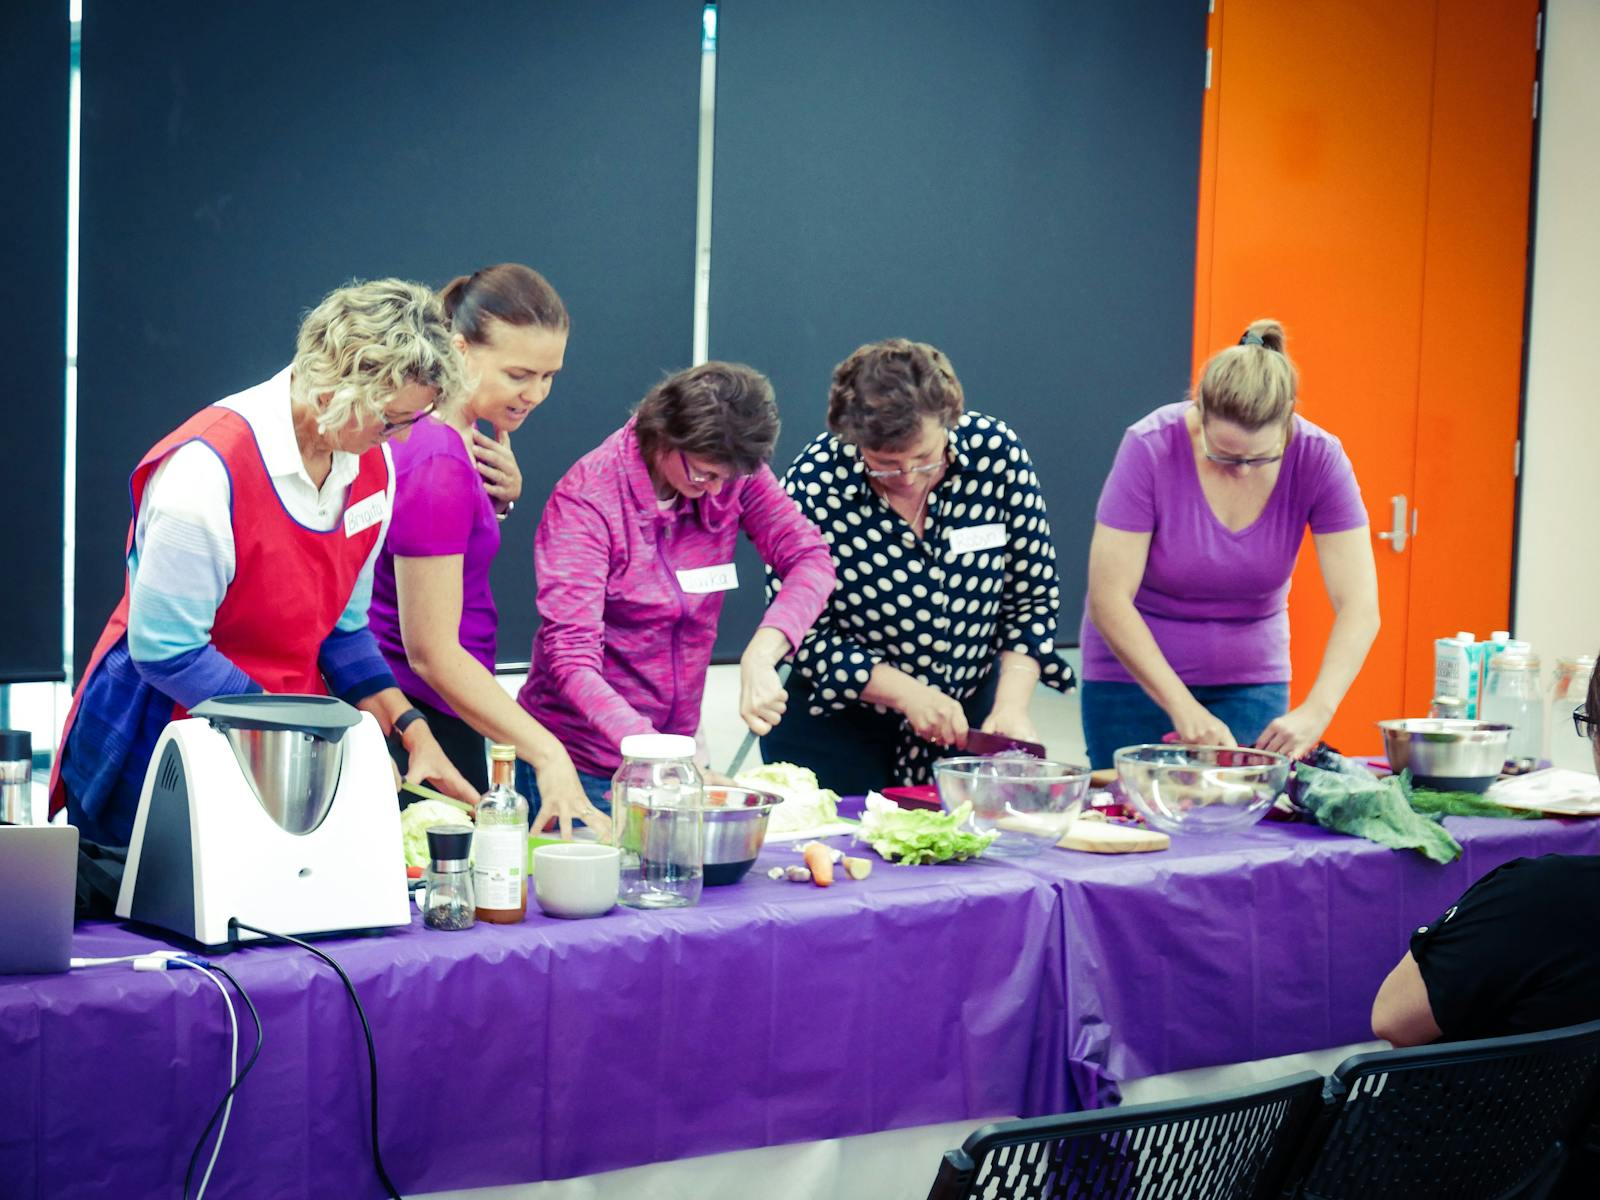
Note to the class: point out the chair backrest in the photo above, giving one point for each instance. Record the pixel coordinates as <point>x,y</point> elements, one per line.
<point>1481,1120</point>
<point>1231,1146</point>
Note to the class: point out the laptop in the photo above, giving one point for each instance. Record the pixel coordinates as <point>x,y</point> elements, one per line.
<point>38,875</point>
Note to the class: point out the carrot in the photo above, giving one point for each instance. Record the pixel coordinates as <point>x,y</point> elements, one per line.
<point>821,863</point>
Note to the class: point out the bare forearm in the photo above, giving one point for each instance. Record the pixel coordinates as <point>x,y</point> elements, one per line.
<point>768,647</point>
<point>1130,639</point>
<point>469,688</point>
<point>891,687</point>
<point>1018,677</point>
<point>1354,628</point>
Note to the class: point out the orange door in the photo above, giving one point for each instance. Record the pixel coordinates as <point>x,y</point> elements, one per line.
<point>1348,149</point>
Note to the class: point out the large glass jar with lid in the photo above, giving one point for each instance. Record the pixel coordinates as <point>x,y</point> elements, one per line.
<point>499,874</point>
<point>1512,695</point>
<point>657,822</point>
<point>1569,690</point>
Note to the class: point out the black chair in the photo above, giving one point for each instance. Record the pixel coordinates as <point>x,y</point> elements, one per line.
<point>1483,1120</point>
<point>1231,1146</point>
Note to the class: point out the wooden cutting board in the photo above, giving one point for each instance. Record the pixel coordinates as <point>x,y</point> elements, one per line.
<point>1102,837</point>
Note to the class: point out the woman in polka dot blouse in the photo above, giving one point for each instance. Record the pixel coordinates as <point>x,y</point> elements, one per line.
<point>945,614</point>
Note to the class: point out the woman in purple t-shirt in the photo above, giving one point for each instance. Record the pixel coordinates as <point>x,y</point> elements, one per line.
<point>1186,628</point>
<point>432,610</point>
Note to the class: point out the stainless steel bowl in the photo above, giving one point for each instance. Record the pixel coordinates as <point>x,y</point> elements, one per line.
<point>1028,802</point>
<point>1201,789</point>
<point>292,771</point>
<point>735,830</point>
<point>1447,753</point>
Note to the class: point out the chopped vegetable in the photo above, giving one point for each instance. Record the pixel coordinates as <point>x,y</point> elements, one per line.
<point>797,874</point>
<point>775,873</point>
<point>916,836</point>
<point>821,863</point>
<point>1462,804</point>
<point>805,805</point>
<point>415,821</point>
<point>856,868</point>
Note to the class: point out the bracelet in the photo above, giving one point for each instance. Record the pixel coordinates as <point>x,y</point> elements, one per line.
<point>501,516</point>
<point>406,720</point>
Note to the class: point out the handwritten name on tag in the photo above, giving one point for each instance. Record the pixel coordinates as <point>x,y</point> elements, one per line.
<point>971,538</point>
<point>701,581</point>
<point>364,514</point>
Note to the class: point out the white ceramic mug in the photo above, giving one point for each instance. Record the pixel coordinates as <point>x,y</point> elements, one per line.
<point>575,879</point>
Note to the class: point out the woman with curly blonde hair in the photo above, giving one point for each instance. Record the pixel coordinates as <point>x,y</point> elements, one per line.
<point>256,524</point>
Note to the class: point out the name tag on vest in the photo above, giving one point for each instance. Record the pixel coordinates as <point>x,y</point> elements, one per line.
<point>701,581</point>
<point>971,538</point>
<point>364,514</point>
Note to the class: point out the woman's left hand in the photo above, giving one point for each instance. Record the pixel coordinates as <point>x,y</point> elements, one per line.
<point>1011,723</point>
<point>1296,732</point>
<point>428,763</point>
<point>497,466</point>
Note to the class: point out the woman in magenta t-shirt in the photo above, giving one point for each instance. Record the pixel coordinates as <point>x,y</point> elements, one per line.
<point>1199,524</point>
<point>432,609</point>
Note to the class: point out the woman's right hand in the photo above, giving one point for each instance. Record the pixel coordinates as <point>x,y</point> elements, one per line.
<point>562,798</point>
<point>1196,725</point>
<point>936,717</point>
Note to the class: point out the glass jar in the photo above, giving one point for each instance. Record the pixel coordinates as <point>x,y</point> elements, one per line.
<point>500,874</point>
<point>657,823</point>
<point>1569,689</point>
<point>1512,696</point>
<point>447,901</point>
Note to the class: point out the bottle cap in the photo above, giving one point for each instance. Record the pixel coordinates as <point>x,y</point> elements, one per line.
<point>16,745</point>
<point>500,752</point>
<point>657,746</point>
<point>449,843</point>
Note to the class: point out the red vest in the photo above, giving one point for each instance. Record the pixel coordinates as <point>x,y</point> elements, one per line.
<point>290,584</point>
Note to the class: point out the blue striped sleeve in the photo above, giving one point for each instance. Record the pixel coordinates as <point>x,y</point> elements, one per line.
<point>353,666</point>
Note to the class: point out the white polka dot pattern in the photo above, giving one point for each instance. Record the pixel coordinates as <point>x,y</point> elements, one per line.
<point>933,607</point>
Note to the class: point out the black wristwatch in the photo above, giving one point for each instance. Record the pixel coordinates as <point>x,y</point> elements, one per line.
<point>405,720</point>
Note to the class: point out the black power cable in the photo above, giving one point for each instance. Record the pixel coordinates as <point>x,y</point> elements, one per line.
<point>205,1134</point>
<point>366,1029</point>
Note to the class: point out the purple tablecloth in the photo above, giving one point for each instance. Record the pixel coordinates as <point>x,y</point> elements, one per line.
<point>1233,948</point>
<point>774,1012</point>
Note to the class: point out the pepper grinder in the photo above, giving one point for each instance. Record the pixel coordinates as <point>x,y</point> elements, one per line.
<point>16,776</point>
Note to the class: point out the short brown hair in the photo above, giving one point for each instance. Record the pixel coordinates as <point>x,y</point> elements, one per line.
<point>882,392</point>
<point>719,411</point>
<point>508,292</point>
<point>1252,384</point>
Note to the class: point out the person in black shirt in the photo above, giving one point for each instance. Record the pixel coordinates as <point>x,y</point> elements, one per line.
<point>1519,952</point>
<point>944,617</point>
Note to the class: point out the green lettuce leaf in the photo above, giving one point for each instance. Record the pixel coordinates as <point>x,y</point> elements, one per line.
<point>916,837</point>
<point>415,821</point>
<point>1375,809</point>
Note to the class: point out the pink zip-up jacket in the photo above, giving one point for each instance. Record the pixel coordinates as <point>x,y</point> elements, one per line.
<point>622,648</point>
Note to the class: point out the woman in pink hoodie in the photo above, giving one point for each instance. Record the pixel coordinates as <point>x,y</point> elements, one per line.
<point>633,555</point>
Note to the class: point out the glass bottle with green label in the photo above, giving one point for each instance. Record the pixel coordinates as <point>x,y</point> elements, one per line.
<point>500,844</point>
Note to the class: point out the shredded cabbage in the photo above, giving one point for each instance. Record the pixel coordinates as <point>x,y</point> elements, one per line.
<point>805,805</point>
<point>918,836</point>
<point>417,818</point>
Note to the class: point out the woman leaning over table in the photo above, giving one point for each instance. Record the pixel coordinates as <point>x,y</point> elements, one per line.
<point>945,615</point>
<point>432,610</point>
<point>1196,536</point>
<point>250,556</point>
<point>633,555</point>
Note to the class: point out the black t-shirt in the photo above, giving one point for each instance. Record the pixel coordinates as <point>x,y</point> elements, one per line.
<point>1519,952</point>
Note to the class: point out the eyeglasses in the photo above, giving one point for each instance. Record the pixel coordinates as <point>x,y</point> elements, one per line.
<point>925,469</point>
<point>1227,460</point>
<point>389,428</point>
<point>1583,722</point>
<point>695,477</point>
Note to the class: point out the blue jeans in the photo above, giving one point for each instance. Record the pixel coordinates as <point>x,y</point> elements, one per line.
<point>594,786</point>
<point>1121,714</point>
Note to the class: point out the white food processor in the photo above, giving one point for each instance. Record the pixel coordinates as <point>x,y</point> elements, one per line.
<point>276,810</point>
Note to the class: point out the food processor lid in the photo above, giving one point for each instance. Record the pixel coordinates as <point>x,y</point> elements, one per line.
<point>325,717</point>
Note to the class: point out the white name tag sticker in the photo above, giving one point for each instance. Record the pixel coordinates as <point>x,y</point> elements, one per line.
<point>364,514</point>
<point>701,581</point>
<point>971,538</point>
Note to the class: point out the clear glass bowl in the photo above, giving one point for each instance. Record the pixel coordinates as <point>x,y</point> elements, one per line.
<point>1201,789</point>
<point>1030,802</point>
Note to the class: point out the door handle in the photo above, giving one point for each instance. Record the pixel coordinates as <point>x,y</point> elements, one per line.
<point>1400,530</point>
